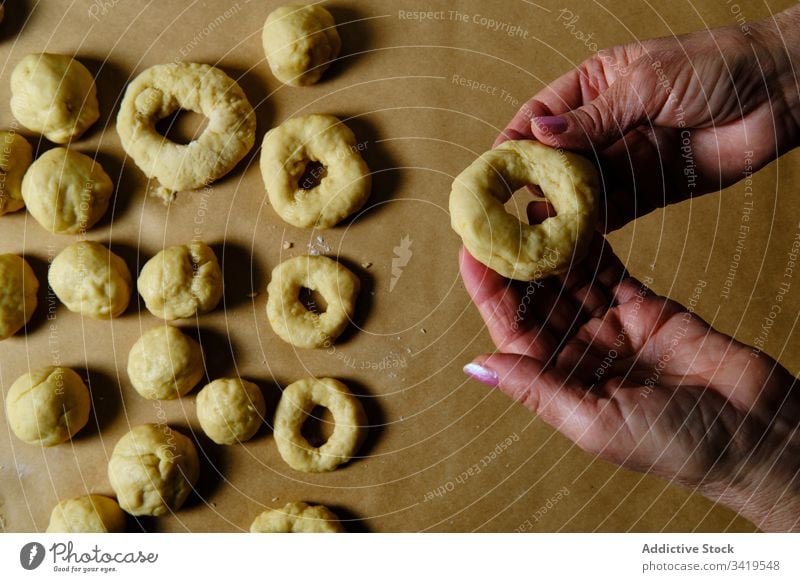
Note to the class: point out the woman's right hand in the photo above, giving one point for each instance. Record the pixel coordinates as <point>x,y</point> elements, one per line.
<point>669,118</point>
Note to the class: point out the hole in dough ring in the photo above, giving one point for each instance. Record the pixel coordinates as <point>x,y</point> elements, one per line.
<point>295,406</point>
<point>162,90</point>
<point>293,145</point>
<point>499,240</point>
<point>291,320</point>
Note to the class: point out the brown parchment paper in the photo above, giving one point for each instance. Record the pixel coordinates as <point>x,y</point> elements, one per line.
<point>444,453</point>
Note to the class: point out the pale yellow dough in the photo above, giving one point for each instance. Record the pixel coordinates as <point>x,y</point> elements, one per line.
<point>54,95</point>
<point>48,406</point>
<point>181,281</point>
<point>16,156</point>
<point>346,181</point>
<point>297,403</point>
<point>503,243</point>
<point>160,91</point>
<point>153,469</point>
<point>164,363</point>
<point>230,410</point>
<point>297,517</point>
<point>18,287</point>
<point>87,514</point>
<point>91,280</point>
<point>66,192</point>
<point>288,316</point>
<point>300,43</point>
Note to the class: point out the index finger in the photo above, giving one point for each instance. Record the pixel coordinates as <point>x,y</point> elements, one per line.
<point>560,96</point>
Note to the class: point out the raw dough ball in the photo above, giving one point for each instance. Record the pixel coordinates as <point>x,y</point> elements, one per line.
<point>16,155</point>
<point>48,406</point>
<point>164,363</point>
<point>54,95</point>
<point>91,280</point>
<point>18,287</point>
<point>287,151</point>
<point>87,514</point>
<point>181,281</point>
<point>230,410</point>
<point>300,43</point>
<point>162,90</point>
<point>296,405</point>
<point>153,469</point>
<point>66,191</point>
<point>297,517</point>
<point>516,250</point>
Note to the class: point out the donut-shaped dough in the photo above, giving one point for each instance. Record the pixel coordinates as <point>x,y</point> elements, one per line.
<point>288,316</point>
<point>16,154</point>
<point>300,42</point>
<point>87,514</point>
<point>164,363</point>
<point>18,287</point>
<point>230,410</point>
<point>297,517</point>
<point>503,243</point>
<point>54,95</point>
<point>66,191</point>
<point>160,91</point>
<point>153,469</point>
<point>295,406</point>
<point>47,406</point>
<point>181,281</point>
<point>293,145</point>
<point>91,280</point>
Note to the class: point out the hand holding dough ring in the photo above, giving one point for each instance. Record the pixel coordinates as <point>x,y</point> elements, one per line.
<point>297,517</point>
<point>162,90</point>
<point>295,406</point>
<point>503,243</point>
<point>286,152</point>
<point>289,317</point>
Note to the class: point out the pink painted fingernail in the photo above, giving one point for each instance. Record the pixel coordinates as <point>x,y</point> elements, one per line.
<point>482,374</point>
<point>551,124</point>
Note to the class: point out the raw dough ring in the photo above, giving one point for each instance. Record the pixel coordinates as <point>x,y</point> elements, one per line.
<point>162,90</point>
<point>297,403</point>
<point>504,244</point>
<point>297,517</point>
<point>290,147</point>
<point>289,317</point>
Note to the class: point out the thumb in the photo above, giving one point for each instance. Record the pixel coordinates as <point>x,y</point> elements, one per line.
<point>546,392</point>
<point>598,123</point>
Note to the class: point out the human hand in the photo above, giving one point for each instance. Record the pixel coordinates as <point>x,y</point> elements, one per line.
<point>638,380</point>
<point>669,118</point>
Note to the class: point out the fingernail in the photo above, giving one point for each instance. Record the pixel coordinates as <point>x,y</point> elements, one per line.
<point>551,124</point>
<point>482,374</point>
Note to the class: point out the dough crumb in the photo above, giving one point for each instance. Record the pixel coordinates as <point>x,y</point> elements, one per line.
<point>423,330</point>
<point>366,264</point>
<point>287,245</point>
